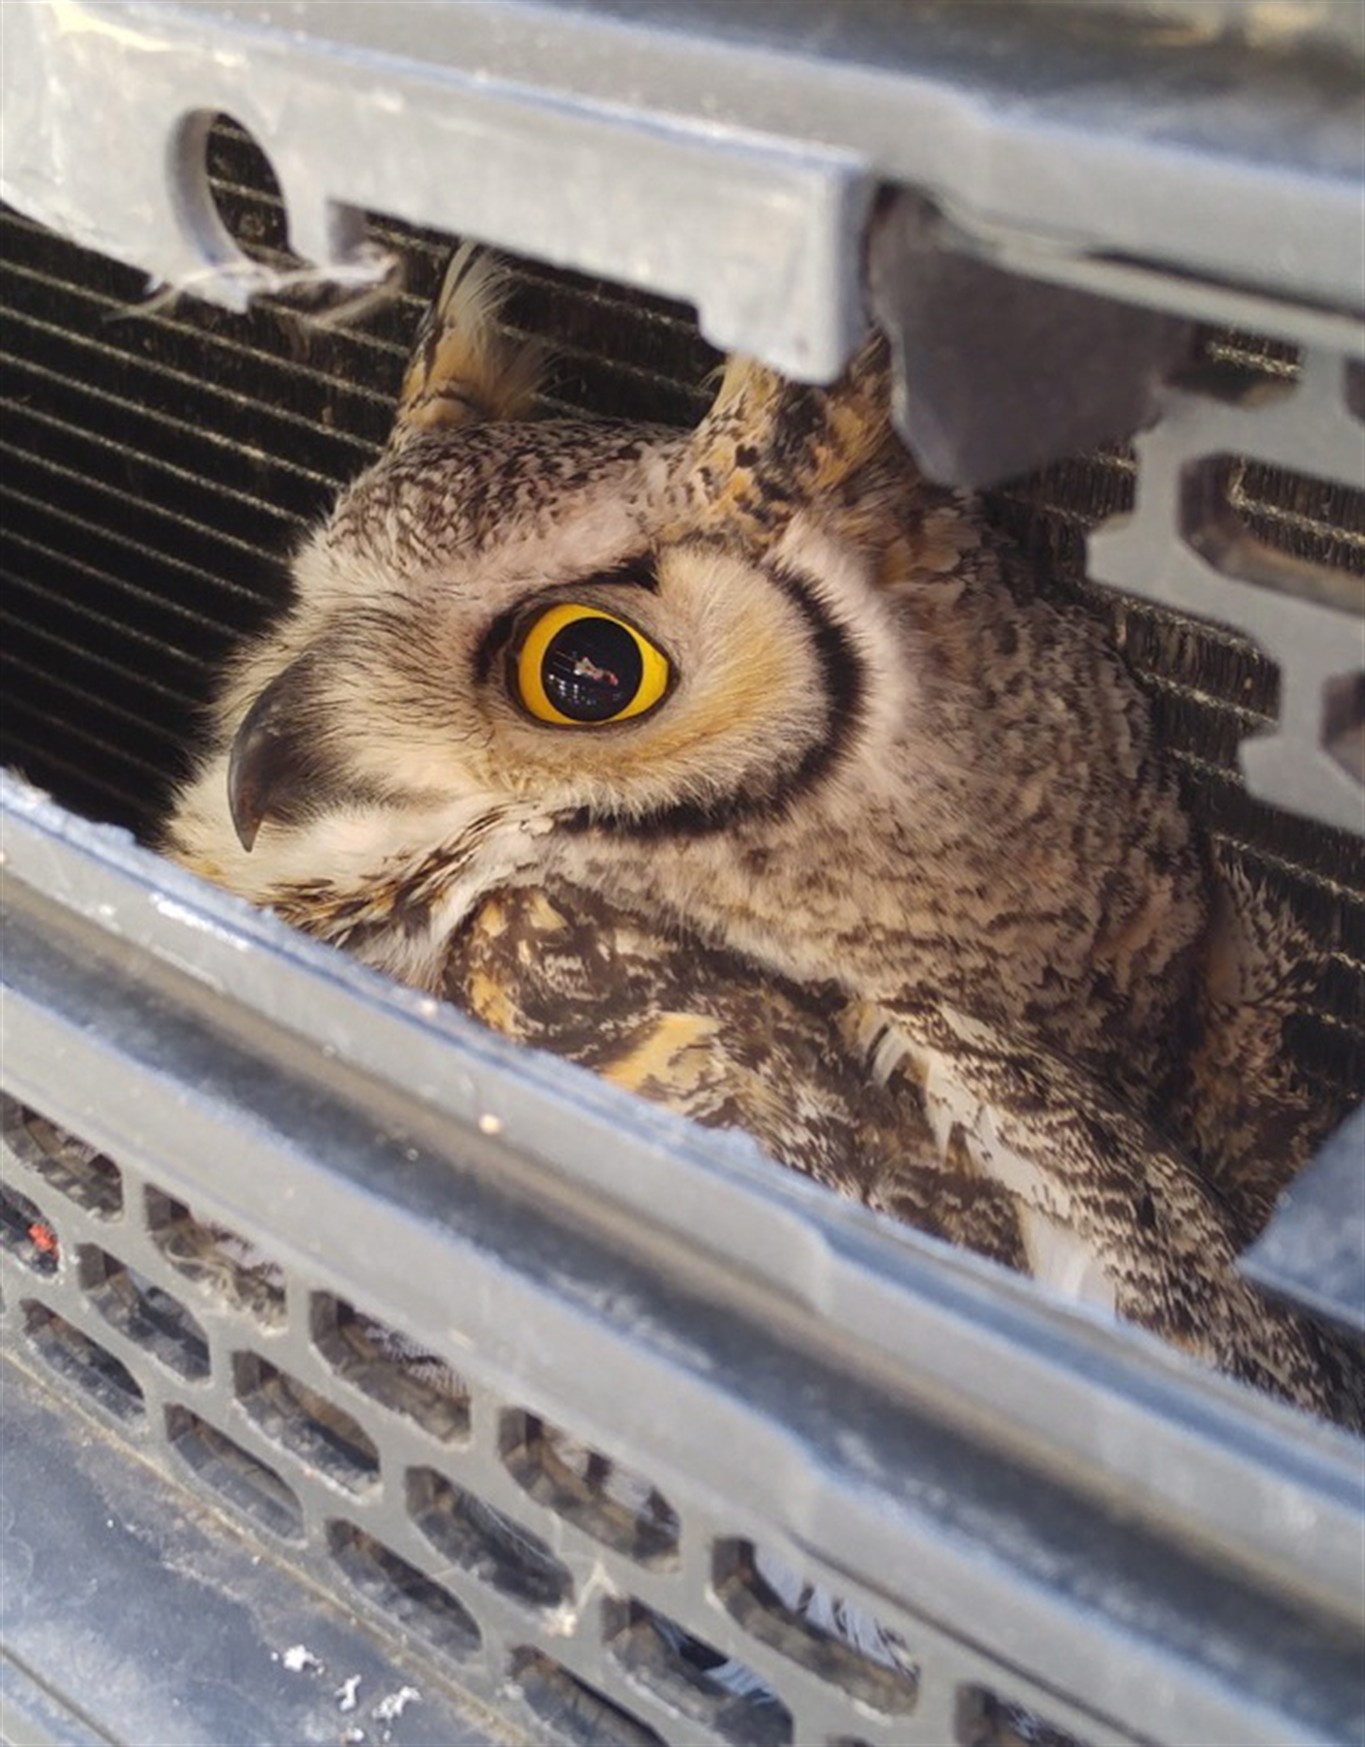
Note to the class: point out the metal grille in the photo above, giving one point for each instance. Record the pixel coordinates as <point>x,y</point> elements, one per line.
<point>475,1531</point>
<point>160,461</point>
<point>1059,1529</point>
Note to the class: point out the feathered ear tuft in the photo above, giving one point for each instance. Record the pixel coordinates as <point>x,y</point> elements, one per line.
<point>464,369</point>
<point>768,446</point>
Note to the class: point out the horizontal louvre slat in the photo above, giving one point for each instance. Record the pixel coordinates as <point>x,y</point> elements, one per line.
<point>138,684</point>
<point>108,756</point>
<point>68,583</point>
<point>165,582</point>
<point>87,786</point>
<point>107,508</point>
<point>203,504</point>
<point>245,355</point>
<point>148,745</point>
<point>106,411</point>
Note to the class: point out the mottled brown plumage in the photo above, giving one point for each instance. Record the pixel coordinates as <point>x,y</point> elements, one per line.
<point>1069,1185</point>
<point>891,873</point>
<point>1240,1102</point>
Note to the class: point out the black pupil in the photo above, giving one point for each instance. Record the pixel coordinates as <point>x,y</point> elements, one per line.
<point>591,670</point>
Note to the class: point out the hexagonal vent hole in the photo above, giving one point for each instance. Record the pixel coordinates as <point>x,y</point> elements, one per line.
<point>575,1711</point>
<point>1276,529</point>
<point>408,1599</point>
<point>604,1498</point>
<point>390,1369</point>
<point>836,1639</point>
<point>984,1719</point>
<point>75,1169</point>
<point>217,1260</point>
<point>306,1423</point>
<point>72,1355</point>
<point>242,1480</point>
<point>691,1676</point>
<point>485,1543</point>
<point>25,1232</point>
<point>144,1312</point>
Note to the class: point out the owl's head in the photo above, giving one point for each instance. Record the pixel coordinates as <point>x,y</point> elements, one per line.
<point>541,623</point>
<point>722,676</point>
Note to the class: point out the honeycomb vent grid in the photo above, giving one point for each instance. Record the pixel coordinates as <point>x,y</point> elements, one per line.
<point>497,1551</point>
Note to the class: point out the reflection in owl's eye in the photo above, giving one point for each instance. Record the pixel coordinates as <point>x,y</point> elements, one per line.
<point>577,666</point>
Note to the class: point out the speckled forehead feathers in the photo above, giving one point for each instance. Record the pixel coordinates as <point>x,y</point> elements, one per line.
<point>463,493</point>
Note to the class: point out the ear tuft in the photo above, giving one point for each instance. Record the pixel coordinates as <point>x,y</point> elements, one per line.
<point>464,368</point>
<point>769,447</point>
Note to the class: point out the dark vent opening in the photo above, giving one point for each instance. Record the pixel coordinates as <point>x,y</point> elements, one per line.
<point>26,1233</point>
<point>986,1720</point>
<point>576,1712</point>
<point>816,1628</point>
<point>145,1313</point>
<point>408,1601</point>
<point>243,187</point>
<point>1241,369</point>
<point>386,1367</point>
<point>485,1543</point>
<point>217,1261</point>
<point>74,1357</point>
<point>602,1497</point>
<point>69,1164</point>
<point>251,1487</point>
<point>306,1423</point>
<point>694,1677</point>
<point>1277,529</point>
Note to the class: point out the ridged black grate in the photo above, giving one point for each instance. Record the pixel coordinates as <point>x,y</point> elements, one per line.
<point>159,459</point>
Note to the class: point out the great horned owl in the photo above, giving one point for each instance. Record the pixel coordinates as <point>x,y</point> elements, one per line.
<point>746,768</point>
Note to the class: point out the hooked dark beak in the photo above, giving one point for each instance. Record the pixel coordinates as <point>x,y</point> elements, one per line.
<point>275,765</point>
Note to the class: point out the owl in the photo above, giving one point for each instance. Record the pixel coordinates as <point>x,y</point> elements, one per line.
<point>751,771</point>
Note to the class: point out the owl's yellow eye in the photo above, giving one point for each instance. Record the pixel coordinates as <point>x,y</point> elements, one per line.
<point>577,666</point>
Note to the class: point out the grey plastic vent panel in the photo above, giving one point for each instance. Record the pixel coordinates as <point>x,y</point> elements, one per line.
<point>1309,617</point>
<point>1014,1492</point>
<point>742,146</point>
<point>1074,1536</point>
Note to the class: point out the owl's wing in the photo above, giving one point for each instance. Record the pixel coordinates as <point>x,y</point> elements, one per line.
<point>705,1033</point>
<point>920,1112</point>
<point>1108,1211</point>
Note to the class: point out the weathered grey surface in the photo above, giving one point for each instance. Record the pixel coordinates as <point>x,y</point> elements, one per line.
<point>723,154</point>
<point>1037,1502</point>
<point>1314,1248</point>
<point>126,1591</point>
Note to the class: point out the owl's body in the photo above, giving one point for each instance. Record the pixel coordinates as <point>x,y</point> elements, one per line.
<point>886,868</point>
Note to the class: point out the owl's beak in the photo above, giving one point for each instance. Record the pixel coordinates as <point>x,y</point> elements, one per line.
<point>274,763</point>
